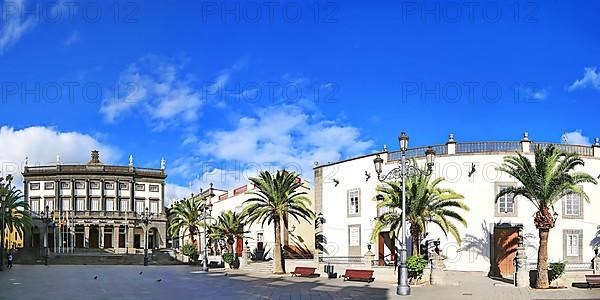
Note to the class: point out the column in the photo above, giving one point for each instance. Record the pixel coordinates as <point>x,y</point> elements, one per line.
<point>451,144</point>
<point>130,229</point>
<point>118,196</point>
<point>56,194</point>
<point>596,148</point>
<point>86,235</point>
<point>87,194</point>
<point>525,143</point>
<point>72,194</point>
<point>521,274</point>
<point>162,197</point>
<point>101,236</point>
<point>102,204</point>
<point>115,238</point>
<point>131,195</point>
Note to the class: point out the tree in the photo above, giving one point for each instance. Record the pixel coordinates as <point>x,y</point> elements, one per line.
<point>425,202</point>
<point>17,219</point>
<point>273,197</point>
<point>185,218</point>
<point>543,183</point>
<point>229,227</point>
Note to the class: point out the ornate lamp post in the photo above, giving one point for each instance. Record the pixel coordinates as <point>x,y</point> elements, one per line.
<point>145,218</point>
<point>46,219</point>
<point>206,213</point>
<point>399,174</point>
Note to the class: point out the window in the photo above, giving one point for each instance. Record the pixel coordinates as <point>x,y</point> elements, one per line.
<point>109,186</point>
<point>34,186</point>
<point>123,186</point>
<point>64,185</point>
<point>79,185</point>
<point>66,204</point>
<point>50,203</point>
<point>140,187</point>
<point>124,205</point>
<point>110,205</point>
<point>80,204</point>
<point>260,237</point>
<point>35,205</point>
<point>49,185</point>
<point>354,203</point>
<point>153,187</point>
<point>94,185</point>
<point>572,245</point>
<point>139,206</point>
<point>95,204</point>
<point>572,205</point>
<point>154,207</point>
<point>505,205</point>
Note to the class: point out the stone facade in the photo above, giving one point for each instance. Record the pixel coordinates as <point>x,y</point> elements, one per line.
<point>95,206</point>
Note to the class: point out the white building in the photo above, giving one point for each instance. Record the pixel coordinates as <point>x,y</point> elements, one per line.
<point>261,239</point>
<point>95,206</point>
<point>345,192</point>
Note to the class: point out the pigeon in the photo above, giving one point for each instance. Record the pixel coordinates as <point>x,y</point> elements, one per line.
<point>159,280</point>
<point>95,277</point>
<point>141,272</point>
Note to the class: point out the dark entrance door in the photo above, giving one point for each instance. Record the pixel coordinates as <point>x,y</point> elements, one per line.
<point>505,248</point>
<point>79,240</point>
<point>137,241</point>
<point>108,240</point>
<point>121,239</point>
<point>94,243</point>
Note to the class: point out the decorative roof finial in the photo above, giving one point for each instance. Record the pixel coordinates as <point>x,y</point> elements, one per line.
<point>596,143</point>
<point>384,148</point>
<point>163,162</point>
<point>130,160</point>
<point>526,136</point>
<point>451,138</point>
<point>58,159</point>
<point>26,161</point>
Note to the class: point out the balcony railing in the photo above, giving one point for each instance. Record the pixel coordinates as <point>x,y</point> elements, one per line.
<point>111,214</point>
<point>483,147</point>
<point>577,149</point>
<point>418,152</point>
<point>93,168</point>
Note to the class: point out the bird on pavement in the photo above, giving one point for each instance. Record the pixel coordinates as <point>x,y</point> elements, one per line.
<point>159,280</point>
<point>141,272</point>
<point>95,277</point>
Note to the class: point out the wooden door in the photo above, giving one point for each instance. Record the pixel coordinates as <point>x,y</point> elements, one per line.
<point>381,250</point>
<point>505,248</point>
<point>239,246</point>
<point>94,237</point>
<point>107,240</point>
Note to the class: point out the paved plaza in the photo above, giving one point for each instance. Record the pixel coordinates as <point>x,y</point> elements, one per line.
<point>185,282</point>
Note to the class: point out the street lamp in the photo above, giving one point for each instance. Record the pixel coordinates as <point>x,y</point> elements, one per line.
<point>145,218</point>
<point>399,174</point>
<point>206,213</point>
<point>2,232</point>
<point>46,219</point>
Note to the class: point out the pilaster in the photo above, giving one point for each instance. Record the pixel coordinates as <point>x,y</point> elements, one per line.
<point>451,144</point>
<point>86,235</point>
<point>596,148</point>
<point>101,236</point>
<point>526,143</point>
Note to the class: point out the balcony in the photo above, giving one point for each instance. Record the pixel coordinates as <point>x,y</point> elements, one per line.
<point>88,214</point>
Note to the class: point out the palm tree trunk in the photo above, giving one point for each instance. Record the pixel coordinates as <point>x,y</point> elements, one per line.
<point>286,234</point>
<point>542,263</point>
<point>278,267</point>
<point>415,234</point>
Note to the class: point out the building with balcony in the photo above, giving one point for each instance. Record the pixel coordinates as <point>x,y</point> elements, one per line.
<point>345,193</point>
<point>95,206</point>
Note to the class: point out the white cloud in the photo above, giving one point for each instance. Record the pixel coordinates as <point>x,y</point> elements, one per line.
<point>272,138</point>
<point>72,39</point>
<point>154,87</point>
<point>576,138</point>
<point>14,23</point>
<point>42,144</point>
<point>591,79</point>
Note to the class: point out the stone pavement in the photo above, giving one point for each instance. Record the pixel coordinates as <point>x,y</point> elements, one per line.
<point>186,282</point>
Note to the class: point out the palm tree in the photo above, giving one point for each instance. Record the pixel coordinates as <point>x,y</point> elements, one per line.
<point>425,202</point>
<point>230,227</point>
<point>185,218</point>
<point>273,198</point>
<point>545,182</point>
<point>17,218</point>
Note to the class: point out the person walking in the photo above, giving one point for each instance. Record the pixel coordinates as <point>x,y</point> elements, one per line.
<point>10,261</point>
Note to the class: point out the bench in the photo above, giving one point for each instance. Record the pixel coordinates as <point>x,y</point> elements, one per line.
<point>305,271</point>
<point>592,280</point>
<point>361,275</point>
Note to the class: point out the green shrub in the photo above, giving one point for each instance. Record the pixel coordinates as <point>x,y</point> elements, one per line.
<point>555,270</point>
<point>228,258</point>
<point>416,265</point>
<point>189,250</point>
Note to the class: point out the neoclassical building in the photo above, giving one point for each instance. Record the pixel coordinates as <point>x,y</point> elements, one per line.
<point>95,205</point>
<point>345,193</point>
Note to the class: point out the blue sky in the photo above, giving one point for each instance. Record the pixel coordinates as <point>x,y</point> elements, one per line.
<point>221,89</point>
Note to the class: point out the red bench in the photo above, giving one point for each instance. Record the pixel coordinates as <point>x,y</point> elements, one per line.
<point>361,275</point>
<point>592,280</point>
<point>304,271</point>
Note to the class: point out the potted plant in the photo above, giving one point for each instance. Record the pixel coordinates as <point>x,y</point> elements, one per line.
<point>231,260</point>
<point>189,250</point>
<point>416,265</point>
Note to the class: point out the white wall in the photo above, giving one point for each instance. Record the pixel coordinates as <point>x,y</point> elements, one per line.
<point>479,192</point>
